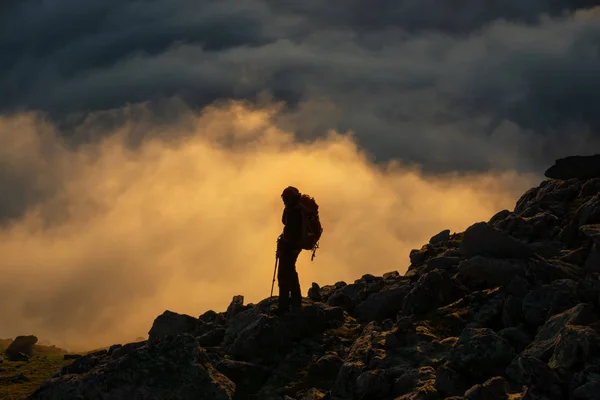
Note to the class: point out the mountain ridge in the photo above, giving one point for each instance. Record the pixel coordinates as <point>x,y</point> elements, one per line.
<point>509,308</point>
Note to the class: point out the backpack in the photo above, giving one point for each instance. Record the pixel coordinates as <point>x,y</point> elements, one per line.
<point>311,224</point>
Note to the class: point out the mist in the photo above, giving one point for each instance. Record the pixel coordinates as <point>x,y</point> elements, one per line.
<point>115,235</point>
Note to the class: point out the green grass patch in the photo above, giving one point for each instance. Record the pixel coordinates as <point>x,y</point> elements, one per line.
<point>38,369</point>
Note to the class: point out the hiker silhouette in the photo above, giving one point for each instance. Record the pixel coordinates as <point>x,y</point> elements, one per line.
<point>288,248</point>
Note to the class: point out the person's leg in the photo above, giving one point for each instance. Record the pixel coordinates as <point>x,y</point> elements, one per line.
<point>283,279</point>
<point>296,300</point>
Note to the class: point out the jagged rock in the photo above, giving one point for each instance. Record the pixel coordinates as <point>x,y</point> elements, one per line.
<point>587,214</point>
<point>127,348</point>
<point>492,389</point>
<point>171,323</point>
<point>420,299</point>
<point>517,337</point>
<point>446,263</point>
<point>548,271</point>
<point>313,394</point>
<point>516,290</point>
<point>21,348</point>
<point>72,356</point>
<point>483,272</point>
<point>541,381</point>
<point>575,346</point>
<point>342,300</point>
<point>208,317</point>
<point>236,306</point>
<point>499,216</point>
<point>580,167</point>
<point>213,337</point>
<point>391,276</point>
<point>348,296</point>
<point>481,239</point>
<point>589,374</point>
<point>589,391</point>
<point>576,257</point>
<point>345,382</point>
<point>314,293</point>
<point>114,348</point>
<point>383,304</point>
<point>545,340</point>
<point>373,384</point>
<point>326,367</point>
<point>169,367</point>
<point>592,262</point>
<point>548,300</point>
<point>441,237</point>
<point>251,335</point>
<point>247,377</point>
<point>479,354</point>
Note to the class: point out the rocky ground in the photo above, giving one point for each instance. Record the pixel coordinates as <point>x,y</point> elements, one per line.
<point>507,309</point>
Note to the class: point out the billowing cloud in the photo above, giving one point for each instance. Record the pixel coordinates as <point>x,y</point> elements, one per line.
<point>468,87</point>
<point>189,217</point>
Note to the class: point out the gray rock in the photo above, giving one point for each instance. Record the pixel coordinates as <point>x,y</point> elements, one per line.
<point>541,381</point>
<point>392,275</point>
<point>373,384</point>
<point>325,368</point>
<point>483,272</point>
<point>247,377</point>
<point>314,293</point>
<point>382,305</point>
<point>517,336</point>
<point>441,237</point>
<point>213,337</point>
<point>575,346</point>
<point>170,367</point>
<point>545,341</point>
<point>589,391</point>
<point>481,239</point>
<point>345,383</point>
<point>171,323</point>
<point>545,301</point>
<point>21,348</point>
<point>479,354</point>
<point>581,167</point>
<point>236,306</point>
<point>208,317</point>
<point>499,216</point>
<point>432,290</point>
<point>492,389</point>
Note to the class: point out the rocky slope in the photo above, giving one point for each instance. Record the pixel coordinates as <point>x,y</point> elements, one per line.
<point>506,309</point>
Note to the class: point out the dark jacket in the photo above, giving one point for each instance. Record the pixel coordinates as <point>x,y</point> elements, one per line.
<point>292,226</point>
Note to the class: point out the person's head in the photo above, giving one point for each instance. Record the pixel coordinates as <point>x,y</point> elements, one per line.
<point>290,196</point>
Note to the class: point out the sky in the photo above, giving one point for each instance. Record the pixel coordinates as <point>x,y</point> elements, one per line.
<point>145,144</point>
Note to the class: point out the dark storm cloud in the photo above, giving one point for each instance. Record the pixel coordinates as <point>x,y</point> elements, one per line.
<point>469,86</point>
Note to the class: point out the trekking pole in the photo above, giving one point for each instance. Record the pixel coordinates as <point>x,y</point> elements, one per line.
<point>273,283</point>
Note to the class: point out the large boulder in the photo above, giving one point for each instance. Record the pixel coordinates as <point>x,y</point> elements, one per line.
<point>545,301</point>
<point>173,367</point>
<point>432,290</point>
<point>171,323</point>
<point>381,305</point>
<point>481,239</point>
<point>478,355</point>
<point>581,167</point>
<point>547,338</point>
<point>483,272</point>
<point>21,347</point>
